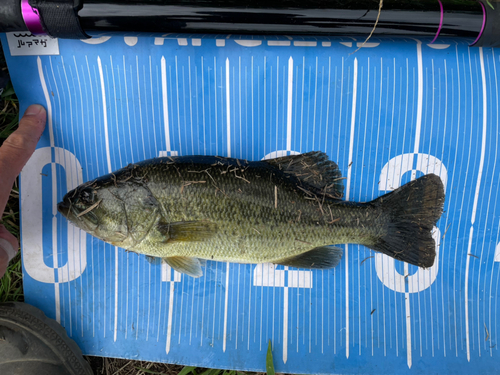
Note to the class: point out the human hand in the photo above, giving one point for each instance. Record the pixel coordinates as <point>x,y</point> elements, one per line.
<point>14,153</point>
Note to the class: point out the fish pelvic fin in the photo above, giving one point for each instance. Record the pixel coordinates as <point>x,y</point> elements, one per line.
<point>319,258</point>
<point>187,265</point>
<point>313,169</point>
<point>187,231</point>
<point>413,210</point>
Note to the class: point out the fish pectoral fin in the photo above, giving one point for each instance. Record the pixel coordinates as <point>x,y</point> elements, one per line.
<point>187,265</point>
<point>319,257</point>
<point>187,231</point>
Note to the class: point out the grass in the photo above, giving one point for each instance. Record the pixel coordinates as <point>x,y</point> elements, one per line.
<point>9,116</point>
<point>128,367</point>
<point>11,285</point>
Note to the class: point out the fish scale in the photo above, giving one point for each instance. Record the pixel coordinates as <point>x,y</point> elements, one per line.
<point>240,219</point>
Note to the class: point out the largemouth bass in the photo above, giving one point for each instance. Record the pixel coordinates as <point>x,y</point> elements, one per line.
<point>284,211</point>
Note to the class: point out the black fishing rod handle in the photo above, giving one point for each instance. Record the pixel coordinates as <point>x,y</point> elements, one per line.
<point>476,20</point>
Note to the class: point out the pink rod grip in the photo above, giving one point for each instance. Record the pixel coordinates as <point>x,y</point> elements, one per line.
<point>440,21</point>
<point>31,18</point>
<point>484,24</point>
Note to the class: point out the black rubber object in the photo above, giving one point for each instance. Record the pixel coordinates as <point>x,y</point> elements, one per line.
<point>59,18</point>
<point>462,18</point>
<point>31,343</point>
<point>491,34</point>
<point>73,18</point>
<point>11,18</point>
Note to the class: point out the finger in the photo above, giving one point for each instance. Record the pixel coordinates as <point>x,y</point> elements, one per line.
<point>18,148</point>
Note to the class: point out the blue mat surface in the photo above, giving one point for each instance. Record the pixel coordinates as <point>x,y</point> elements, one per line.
<point>386,113</point>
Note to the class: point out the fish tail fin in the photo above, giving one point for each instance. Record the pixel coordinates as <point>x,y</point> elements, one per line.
<point>413,210</point>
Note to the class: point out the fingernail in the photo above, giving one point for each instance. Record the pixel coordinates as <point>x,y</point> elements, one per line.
<point>7,247</point>
<point>34,109</point>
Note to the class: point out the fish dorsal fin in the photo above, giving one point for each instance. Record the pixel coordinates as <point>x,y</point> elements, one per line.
<point>187,265</point>
<point>319,257</point>
<point>313,169</point>
<point>186,231</point>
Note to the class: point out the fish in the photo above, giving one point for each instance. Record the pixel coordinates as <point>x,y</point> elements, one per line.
<point>287,211</point>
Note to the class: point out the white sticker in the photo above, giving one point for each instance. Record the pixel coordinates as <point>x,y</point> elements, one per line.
<point>27,44</point>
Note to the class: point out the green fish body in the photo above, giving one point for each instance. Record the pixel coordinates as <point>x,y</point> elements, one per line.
<point>284,211</point>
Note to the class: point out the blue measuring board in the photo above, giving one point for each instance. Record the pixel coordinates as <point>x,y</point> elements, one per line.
<point>386,112</point>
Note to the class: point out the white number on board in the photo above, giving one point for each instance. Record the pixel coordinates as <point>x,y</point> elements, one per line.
<point>32,218</point>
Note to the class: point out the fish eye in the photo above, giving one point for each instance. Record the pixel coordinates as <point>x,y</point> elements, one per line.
<point>86,195</point>
<point>81,206</point>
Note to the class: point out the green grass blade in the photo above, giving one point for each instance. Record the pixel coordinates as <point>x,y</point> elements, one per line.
<point>211,371</point>
<point>269,360</point>
<point>8,91</point>
<point>8,127</point>
<point>149,371</point>
<point>11,285</point>
<point>187,370</point>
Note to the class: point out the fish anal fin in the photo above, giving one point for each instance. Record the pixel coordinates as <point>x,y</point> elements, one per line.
<point>189,266</point>
<point>187,231</point>
<point>313,169</point>
<point>320,257</point>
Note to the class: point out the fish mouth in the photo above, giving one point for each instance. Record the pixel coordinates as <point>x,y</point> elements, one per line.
<point>63,207</point>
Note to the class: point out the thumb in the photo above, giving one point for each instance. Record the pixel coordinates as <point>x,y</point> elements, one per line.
<point>18,148</point>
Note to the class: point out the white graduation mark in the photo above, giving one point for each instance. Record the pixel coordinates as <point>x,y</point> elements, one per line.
<point>476,198</point>
<point>166,126</point>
